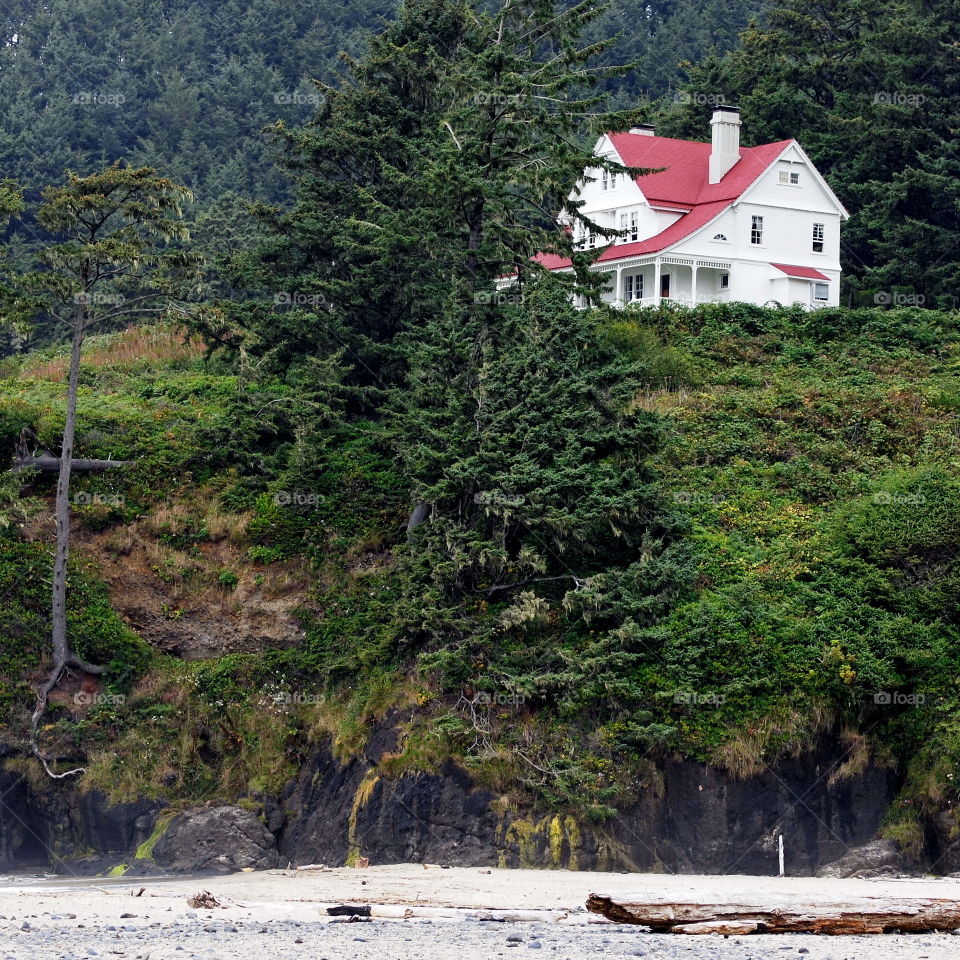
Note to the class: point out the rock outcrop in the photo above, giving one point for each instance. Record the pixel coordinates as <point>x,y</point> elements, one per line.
<point>879,858</point>
<point>691,818</point>
<point>216,840</point>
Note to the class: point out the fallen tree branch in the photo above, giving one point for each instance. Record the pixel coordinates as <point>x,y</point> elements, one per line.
<point>51,464</point>
<point>780,914</point>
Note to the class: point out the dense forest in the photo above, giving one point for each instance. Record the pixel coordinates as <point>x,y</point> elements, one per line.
<point>189,86</point>
<point>339,481</point>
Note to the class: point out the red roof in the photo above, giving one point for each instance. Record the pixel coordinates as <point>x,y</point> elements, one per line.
<point>804,273</point>
<point>682,184</point>
<point>687,168</point>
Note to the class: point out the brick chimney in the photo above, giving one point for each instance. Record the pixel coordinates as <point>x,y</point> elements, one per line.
<point>726,141</point>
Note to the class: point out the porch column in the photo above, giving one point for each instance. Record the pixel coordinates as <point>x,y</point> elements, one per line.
<point>693,285</point>
<point>656,280</point>
<point>618,298</point>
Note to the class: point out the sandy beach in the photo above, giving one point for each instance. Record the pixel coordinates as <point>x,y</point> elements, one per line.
<point>283,914</point>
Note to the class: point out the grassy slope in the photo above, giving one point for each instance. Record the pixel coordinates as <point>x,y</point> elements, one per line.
<point>814,455</point>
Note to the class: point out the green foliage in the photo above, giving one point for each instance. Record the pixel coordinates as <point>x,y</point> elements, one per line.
<point>408,176</point>
<point>24,625</point>
<point>228,580</point>
<point>870,89</point>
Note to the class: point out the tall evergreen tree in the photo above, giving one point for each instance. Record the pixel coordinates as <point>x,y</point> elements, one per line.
<point>443,161</point>
<point>530,458</point>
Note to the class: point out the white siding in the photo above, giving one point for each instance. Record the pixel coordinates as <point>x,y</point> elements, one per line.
<point>789,213</point>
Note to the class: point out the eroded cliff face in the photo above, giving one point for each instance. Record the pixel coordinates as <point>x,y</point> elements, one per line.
<point>696,820</point>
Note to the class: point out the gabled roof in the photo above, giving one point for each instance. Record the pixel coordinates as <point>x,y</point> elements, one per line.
<point>803,273</point>
<point>687,163</point>
<point>682,185</point>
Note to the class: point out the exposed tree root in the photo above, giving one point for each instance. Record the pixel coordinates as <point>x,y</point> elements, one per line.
<point>43,695</point>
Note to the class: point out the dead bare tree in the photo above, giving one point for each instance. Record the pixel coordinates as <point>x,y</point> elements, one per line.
<point>115,262</point>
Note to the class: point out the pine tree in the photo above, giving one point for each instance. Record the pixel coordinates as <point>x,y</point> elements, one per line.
<point>443,162</point>
<point>526,450</point>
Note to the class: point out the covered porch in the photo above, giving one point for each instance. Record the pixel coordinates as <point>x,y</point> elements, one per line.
<point>650,281</point>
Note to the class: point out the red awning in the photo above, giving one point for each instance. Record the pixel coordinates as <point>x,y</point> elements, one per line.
<point>802,273</point>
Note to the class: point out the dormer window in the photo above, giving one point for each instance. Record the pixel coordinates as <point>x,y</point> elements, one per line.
<point>790,177</point>
<point>721,237</point>
<point>605,179</point>
<point>634,225</point>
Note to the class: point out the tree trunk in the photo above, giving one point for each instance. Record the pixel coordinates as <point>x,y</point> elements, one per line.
<point>61,645</point>
<point>63,655</point>
<point>776,913</point>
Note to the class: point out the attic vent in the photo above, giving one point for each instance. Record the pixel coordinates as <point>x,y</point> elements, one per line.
<point>720,236</point>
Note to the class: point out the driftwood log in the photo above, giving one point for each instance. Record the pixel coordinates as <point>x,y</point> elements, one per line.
<point>51,464</point>
<point>781,914</point>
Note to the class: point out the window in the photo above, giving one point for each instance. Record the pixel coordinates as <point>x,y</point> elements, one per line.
<point>634,225</point>
<point>818,238</point>
<point>605,179</point>
<point>623,228</point>
<point>724,281</point>
<point>789,177</point>
<point>633,287</point>
<point>591,239</point>
<point>756,230</point>
<point>665,285</point>
<point>720,236</point>
<point>821,292</point>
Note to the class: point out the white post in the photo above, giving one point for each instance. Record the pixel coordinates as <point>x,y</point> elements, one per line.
<point>656,281</point>
<point>780,845</point>
<point>618,298</point>
<point>693,285</point>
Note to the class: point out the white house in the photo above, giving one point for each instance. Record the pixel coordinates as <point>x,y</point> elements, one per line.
<point>717,221</point>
